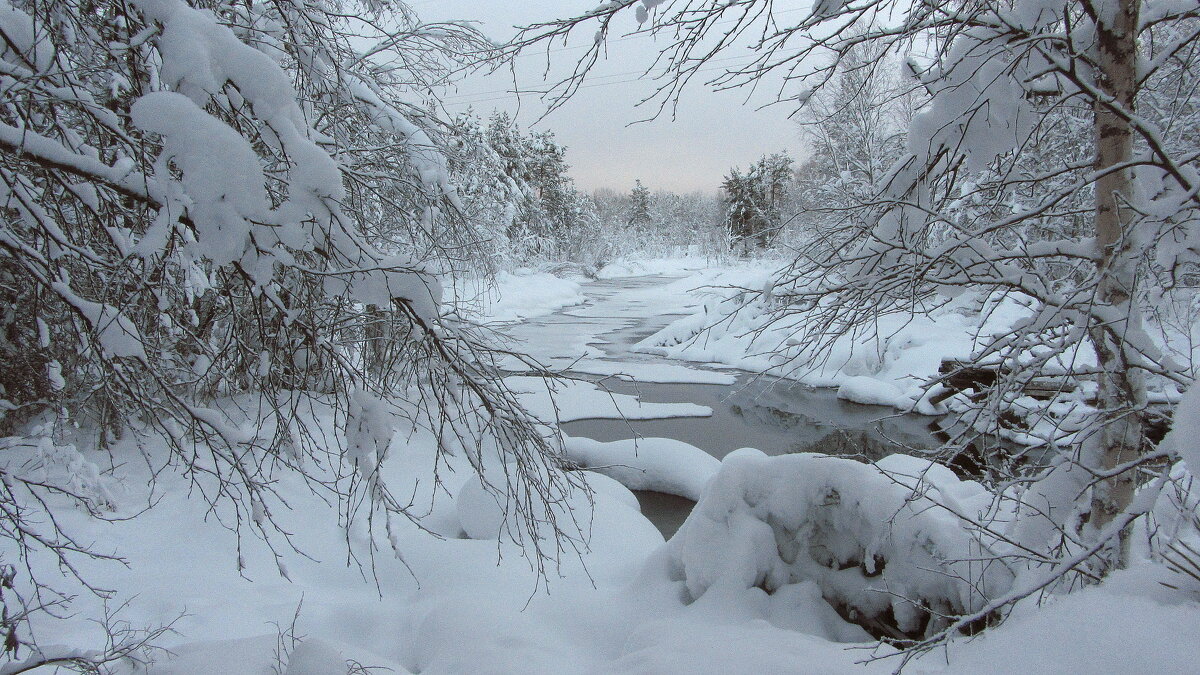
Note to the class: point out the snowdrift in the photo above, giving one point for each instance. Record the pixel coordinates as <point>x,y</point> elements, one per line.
<point>874,538</point>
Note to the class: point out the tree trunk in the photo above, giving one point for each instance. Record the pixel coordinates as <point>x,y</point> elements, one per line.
<point>1120,436</point>
<point>376,342</point>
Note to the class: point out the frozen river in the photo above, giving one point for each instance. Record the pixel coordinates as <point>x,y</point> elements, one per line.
<point>770,415</point>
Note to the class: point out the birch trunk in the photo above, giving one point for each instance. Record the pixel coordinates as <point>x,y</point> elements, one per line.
<point>1120,438</point>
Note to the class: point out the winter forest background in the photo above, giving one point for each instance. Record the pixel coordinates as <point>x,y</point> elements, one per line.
<point>290,352</point>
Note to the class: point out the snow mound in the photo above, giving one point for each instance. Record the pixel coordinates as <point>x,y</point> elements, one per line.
<point>658,464</point>
<point>875,541</point>
<point>600,517</point>
<point>1099,629</point>
<point>869,391</point>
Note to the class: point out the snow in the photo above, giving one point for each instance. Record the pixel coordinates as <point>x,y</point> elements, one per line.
<point>869,391</point>
<point>220,171</point>
<point>1184,437</point>
<point>658,464</point>
<point>871,543</point>
<point>521,295</point>
<point>311,656</point>
<point>748,584</point>
<point>1119,627</point>
<point>118,335</point>
<point>900,353</point>
<point>486,514</point>
<point>219,237</point>
<point>664,266</point>
<point>575,400</point>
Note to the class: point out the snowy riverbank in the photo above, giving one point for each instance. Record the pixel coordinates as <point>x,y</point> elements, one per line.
<point>723,596</point>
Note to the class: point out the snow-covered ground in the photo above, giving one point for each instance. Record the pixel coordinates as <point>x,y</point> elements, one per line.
<point>740,589</point>
<point>514,296</point>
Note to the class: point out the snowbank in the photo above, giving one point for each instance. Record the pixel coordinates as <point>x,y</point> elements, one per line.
<point>516,296</point>
<point>605,518</point>
<point>901,352</point>
<point>658,464</point>
<point>869,391</point>
<point>1129,624</point>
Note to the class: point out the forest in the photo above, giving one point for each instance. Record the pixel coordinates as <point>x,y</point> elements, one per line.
<point>309,370</point>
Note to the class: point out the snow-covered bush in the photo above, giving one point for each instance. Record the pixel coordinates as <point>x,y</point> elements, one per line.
<point>895,547</point>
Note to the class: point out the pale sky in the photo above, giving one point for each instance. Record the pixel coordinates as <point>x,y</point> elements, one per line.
<point>711,133</point>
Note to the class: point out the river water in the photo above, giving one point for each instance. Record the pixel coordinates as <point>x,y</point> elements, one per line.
<point>774,416</point>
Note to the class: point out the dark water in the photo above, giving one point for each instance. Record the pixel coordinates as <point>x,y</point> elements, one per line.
<point>774,416</point>
<point>667,512</point>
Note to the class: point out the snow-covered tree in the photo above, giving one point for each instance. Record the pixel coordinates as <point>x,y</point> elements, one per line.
<point>492,193</point>
<point>214,198</point>
<point>855,126</point>
<point>1086,238</point>
<point>756,200</point>
<point>552,218</point>
<point>673,224</point>
<point>639,205</point>
<point>688,222</point>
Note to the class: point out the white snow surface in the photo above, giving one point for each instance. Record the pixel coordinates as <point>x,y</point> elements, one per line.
<point>870,391</point>
<point>658,464</point>
<point>514,296</point>
<point>1184,437</point>
<point>900,353</point>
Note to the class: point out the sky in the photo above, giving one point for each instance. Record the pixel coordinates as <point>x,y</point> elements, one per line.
<point>711,132</point>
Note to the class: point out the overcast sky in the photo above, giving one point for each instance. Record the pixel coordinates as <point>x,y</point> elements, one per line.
<point>711,132</point>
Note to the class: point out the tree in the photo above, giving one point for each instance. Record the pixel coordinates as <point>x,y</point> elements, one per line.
<point>222,199</point>
<point>552,217</point>
<point>639,206</point>
<point>755,200</point>
<point>972,205</point>
<point>856,130</point>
